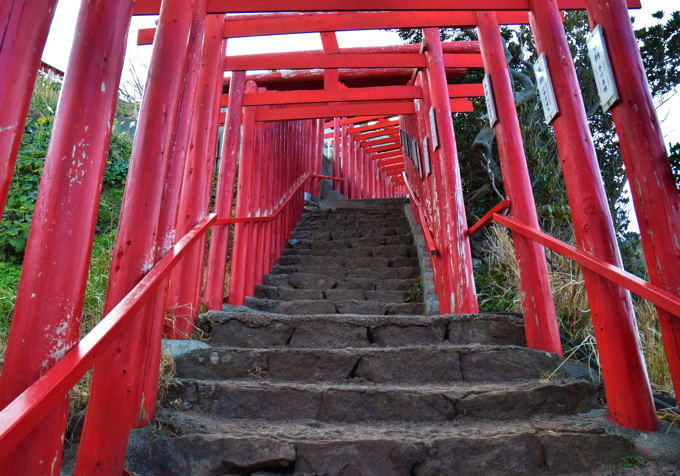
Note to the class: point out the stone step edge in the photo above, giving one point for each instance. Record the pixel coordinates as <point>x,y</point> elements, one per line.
<point>254,301</point>
<point>594,421</point>
<point>538,446</point>
<point>263,318</point>
<point>372,349</point>
<point>456,389</point>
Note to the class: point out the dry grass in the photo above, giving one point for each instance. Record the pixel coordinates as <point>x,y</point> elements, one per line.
<point>571,303</point>
<point>92,312</point>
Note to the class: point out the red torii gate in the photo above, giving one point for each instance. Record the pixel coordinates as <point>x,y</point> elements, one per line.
<point>165,213</point>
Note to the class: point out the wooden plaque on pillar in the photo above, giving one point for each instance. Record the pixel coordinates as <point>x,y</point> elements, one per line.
<point>602,69</point>
<point>490,102</point>
<point>433,129</point>
<point>545,89</point>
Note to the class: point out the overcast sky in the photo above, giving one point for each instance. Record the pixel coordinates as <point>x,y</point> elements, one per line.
<point>60,38</point>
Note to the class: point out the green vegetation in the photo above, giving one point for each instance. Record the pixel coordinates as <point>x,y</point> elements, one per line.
<point>631,461</point>
<point>495,269</point>
<point>17,216</point>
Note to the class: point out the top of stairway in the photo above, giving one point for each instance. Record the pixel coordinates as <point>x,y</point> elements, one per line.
<point>380,203</point>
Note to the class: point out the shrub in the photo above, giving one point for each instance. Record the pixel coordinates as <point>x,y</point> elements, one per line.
<point>498,288</point>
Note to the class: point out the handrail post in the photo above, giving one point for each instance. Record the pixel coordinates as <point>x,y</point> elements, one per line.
<point>243,202</point>
<point>655,196</point>
<point>336,153</point>
<point>456,253</point>
<point>184,286</point>
<point>344,160</point>
<point>219,240</point>
<point>46,320</point>
<point>25,27</point>
<point>121,367</point>
<point>168,214</point>
<point>260,191</point>
<point>540,319</point>
<point>319,154</point>
<point>629,398</point>
<point>430,187</point>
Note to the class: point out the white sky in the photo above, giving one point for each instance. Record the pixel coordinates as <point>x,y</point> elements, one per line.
<point>61,34</point>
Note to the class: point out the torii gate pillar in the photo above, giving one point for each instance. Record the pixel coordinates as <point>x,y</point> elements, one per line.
<point>629,397</point>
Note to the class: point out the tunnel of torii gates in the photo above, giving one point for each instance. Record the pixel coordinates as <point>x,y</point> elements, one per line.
<point>388,113</point>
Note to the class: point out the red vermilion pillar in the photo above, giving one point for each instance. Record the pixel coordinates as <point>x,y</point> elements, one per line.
<point>540,320</point>
<point>344,160</point>
<point>219,240</point>
<point>318,168</point>
<point>24,24</point>
<point>117,376</point>
<point>168,213</point>
<point>46,320</point>
<point>237,281</point>
<point>186,279</point>
<point>336,152</point>
<point>463,296</point>
<point>258,190</point>
<point>655,197</point>
<point>351,168</point>
<point>443,280</point>
<point>629,397</point>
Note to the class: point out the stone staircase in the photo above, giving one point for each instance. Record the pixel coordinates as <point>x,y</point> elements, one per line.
<point>333,373</point>
<point>346,260</point>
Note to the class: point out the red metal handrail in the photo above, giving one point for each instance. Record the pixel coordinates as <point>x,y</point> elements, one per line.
<point>488,216</point>
<point>26,411</point>
<point>642,288</point>
<point>277,210</point>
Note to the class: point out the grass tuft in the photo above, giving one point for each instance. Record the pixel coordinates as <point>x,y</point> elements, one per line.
<point>498,285</point>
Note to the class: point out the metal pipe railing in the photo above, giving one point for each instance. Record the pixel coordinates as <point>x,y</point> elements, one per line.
<point>26,411</point>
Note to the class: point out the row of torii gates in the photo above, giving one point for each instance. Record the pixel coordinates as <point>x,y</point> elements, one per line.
<point>389,116</point>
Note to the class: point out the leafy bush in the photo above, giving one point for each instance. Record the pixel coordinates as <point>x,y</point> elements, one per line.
<point>9,279</point>
<point>16,221</point>
<point>24,189</point>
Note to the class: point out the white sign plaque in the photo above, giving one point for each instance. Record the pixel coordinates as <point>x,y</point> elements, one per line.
<point>545,89</point>
<point>433,129</point>
<point>602,69</point>
<point>426,157</point>
<point>490,101</point>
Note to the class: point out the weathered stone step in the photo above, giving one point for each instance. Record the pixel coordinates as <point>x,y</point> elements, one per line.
<point>355,206</point>
<point>352,221</point>
<point>404,272</point>
<point>361,403</point>
<point>202,446</point>
<point>339,261</point>
<point>257,330</point>
<point>363,205</point>
<point>389,251</point>
<point>378,251</point>
<point>394,216</point>
<point>323,283</point>
<point>444,364</point>
<point>370,242</point>
<point>346,234</point>
<point>324,306</point>
<point>349,213</point>
<point>291,294</point>
<point>365,231</point>
<point>391,215</point>
<point>337,222</point>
